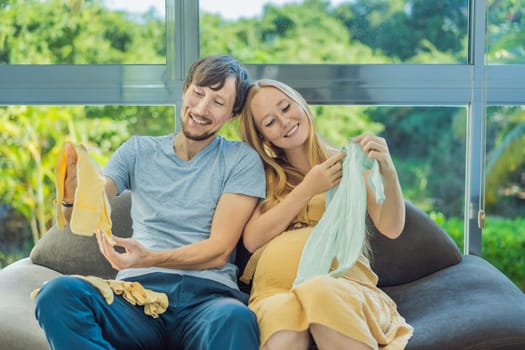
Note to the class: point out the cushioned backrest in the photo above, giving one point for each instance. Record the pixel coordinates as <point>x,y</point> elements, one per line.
<point>421,249</point>
<point>120,215</point>
<point>68,253</point>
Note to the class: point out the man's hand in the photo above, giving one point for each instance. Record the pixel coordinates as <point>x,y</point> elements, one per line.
<point>134,255</point>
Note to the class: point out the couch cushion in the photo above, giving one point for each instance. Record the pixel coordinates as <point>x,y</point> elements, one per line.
<point>68,253</point>
<point>468,306</point>
<point>421,249</point>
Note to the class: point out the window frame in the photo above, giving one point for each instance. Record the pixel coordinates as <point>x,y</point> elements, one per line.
<point>474,85</point>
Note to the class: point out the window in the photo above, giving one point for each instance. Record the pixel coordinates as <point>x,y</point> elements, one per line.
<point>81,32</point>
<point>337,31</point>
<point>31,138</point>
<point>399,60</point>
<point>506,32</point>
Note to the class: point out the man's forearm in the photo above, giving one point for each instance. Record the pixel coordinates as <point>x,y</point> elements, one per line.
<point>67,211</point>
<point>207,254</point>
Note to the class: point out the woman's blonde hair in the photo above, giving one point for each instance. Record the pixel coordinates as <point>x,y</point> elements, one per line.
<point>281,176</point>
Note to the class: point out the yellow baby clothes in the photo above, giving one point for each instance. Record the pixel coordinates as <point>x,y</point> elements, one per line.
<point>91,209</point>
<point>155,303</point>
<point>341,232</point>
<point>352,304</point>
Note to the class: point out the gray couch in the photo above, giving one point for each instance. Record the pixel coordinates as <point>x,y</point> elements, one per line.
<point>453,301</point>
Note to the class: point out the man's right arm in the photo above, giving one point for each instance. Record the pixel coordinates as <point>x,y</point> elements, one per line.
<point>111,188</point>
<point>70,181</point>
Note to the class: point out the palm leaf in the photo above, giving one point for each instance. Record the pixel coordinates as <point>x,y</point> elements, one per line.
<point>504,160</point>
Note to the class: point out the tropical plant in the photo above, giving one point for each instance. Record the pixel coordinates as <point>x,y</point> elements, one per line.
<point>29,149</point>
<point>31,139</point>
<point>505,169</point>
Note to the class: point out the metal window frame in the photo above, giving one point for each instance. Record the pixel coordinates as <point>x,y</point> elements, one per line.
<point>474,85</point>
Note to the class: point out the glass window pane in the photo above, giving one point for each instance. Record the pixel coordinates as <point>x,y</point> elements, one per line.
<point>337,31</point>
<point>506,32</point>
<point>31,138</point>
<point>427,145</point>
<point>428,148</point>
<point>505,172</point>
<point>81,32</point>
<point>504,232</point>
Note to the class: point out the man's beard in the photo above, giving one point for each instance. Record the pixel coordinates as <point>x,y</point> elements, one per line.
<point>200,137</point>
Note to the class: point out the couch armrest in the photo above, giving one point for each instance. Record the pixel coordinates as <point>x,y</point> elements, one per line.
<point>19,329</point>
<point>421,249</point>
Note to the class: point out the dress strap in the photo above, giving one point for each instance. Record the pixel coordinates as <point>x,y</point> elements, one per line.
<point>251,265</point>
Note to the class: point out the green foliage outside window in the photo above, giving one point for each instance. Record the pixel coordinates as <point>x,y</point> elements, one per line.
<point>31,139</point>
<point>503,243</point>
<point>76,32</point>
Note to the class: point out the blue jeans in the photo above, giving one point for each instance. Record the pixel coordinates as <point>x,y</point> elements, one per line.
<point>202,314</point>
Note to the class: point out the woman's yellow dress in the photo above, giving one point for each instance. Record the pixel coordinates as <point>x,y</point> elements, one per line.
<point>353,305</point>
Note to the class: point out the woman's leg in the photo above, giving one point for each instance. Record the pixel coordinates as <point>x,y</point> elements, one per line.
<point>288,340</point>
<point>329,339</point>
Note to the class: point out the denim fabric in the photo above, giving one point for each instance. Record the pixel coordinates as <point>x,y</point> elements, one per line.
<point>202,314</point>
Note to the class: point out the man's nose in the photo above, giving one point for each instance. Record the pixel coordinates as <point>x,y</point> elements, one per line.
<point>202,106</point>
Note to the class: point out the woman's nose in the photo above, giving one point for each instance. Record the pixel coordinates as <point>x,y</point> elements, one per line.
<point>285,122</point>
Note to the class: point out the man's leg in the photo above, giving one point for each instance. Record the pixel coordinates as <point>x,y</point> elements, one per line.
<point>74,315</point>
<point>221,323</point>
<point>211,316</point>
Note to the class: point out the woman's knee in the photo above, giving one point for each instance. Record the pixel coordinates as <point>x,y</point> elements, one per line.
<point>288,340</point>
<point>328,338</point>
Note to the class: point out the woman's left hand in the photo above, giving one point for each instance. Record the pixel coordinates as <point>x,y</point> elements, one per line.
<point>375,147</point>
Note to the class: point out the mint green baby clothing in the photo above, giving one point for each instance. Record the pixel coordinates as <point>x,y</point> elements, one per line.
<point>341,232</point>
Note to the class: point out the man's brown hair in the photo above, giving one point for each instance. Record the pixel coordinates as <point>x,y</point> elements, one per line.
<point>212,72</point>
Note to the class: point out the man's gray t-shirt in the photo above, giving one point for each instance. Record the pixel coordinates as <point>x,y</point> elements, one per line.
<point>173,201</point>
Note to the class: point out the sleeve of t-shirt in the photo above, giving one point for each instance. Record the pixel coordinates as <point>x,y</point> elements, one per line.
<point>247,175</point>
<point>121,164</point>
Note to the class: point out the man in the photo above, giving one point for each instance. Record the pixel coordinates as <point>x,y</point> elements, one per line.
<point>192,193</point>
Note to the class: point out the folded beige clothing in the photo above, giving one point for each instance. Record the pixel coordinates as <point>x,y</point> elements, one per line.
<point>155,303</point>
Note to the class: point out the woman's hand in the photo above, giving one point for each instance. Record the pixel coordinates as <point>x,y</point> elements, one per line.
<point>324,176</point>
<point>375,147</point>
<point>389,216</point>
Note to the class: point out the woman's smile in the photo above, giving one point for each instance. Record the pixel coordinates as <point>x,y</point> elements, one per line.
<point>292,131</point>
